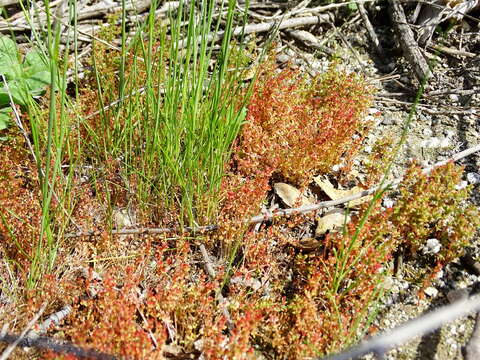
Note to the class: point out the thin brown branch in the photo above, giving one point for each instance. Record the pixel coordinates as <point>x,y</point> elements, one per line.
<point>6,353</point>
<point>279,212</point>
<point>454,52</point>
<point>407,41</point>
<point>47,343</point>
<point>371,31</point>
<point>266,26</point>
<point>211,272</point>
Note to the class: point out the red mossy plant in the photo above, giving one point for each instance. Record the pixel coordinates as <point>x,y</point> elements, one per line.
<point>20,207</point>
<point>108,322</point>
<point>325,305</point>
<point>297,127</point>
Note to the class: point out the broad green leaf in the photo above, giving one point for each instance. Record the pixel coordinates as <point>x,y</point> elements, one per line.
<point>9,65</point>
<point>34,62</point>
<point>19,91</point>
<point>37,83</point>
<point>37,72</point>
<point>4,98</point>
<point>5,117</point>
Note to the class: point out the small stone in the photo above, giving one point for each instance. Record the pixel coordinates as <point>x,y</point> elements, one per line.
<point>283,58</point>
<point>462,185</point>
<point>336,167</point>
<point>388,203</point>
<point>388,283</point>
<point>473,178</point>
<point>394,289</point>
<point>453,97</point>
<point>432,246</point>
<point>453,330</point>
<point>427,132</point>
<point>450,133</point>
<point>388,120</point>
<point>198,344</point>
<point>430,143</point>
<point>431,291</point>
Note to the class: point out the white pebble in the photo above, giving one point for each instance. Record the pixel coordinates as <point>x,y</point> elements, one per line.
<point>473,178</point>
<point>453,330</point>
<point>427,132</point>
<point>445,142</point>
<point>432,246</point>
<point>388,203</point>
<point>336,167</point>
<point>453,97</point>
<point>431,291</point>
<point>430,143</point>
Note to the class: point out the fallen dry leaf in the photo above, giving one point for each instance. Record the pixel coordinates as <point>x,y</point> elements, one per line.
<point>336,194</point>
<point>331,221</point>
<point>290,195</point>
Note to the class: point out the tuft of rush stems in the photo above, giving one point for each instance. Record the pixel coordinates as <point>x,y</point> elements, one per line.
<point>48,149</point>
<point>176,135</point>
<point>198,114</point>
<point>173,139</point>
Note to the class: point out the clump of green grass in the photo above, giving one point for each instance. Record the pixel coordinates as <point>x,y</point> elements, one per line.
<point>171,142</point>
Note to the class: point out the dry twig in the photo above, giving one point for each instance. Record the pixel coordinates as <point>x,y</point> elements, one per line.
<point>380,344</point>
<point>269,215</point>
<point>371,31</point>
<point>472,350</point>
<point>6,353</point>
<point>221,299</point>
<point>407,41</point>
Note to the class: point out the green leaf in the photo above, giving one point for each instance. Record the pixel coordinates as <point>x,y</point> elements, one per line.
<point>37,83</point>
<point>19,91</point>
<point>352,7</point>
<point>4,98</point>
<point>5,117</point>
<point>9,65</point>
<point>36,72</point>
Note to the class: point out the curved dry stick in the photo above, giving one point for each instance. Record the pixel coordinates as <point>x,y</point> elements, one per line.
<point>268,215</point>
<point>346,199</point>
<point>211,272</point>
<point>16,342</point>
<point>417,327</point>
<point>266,26</point>
<point>47,343</point>
<point>407,41</point>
